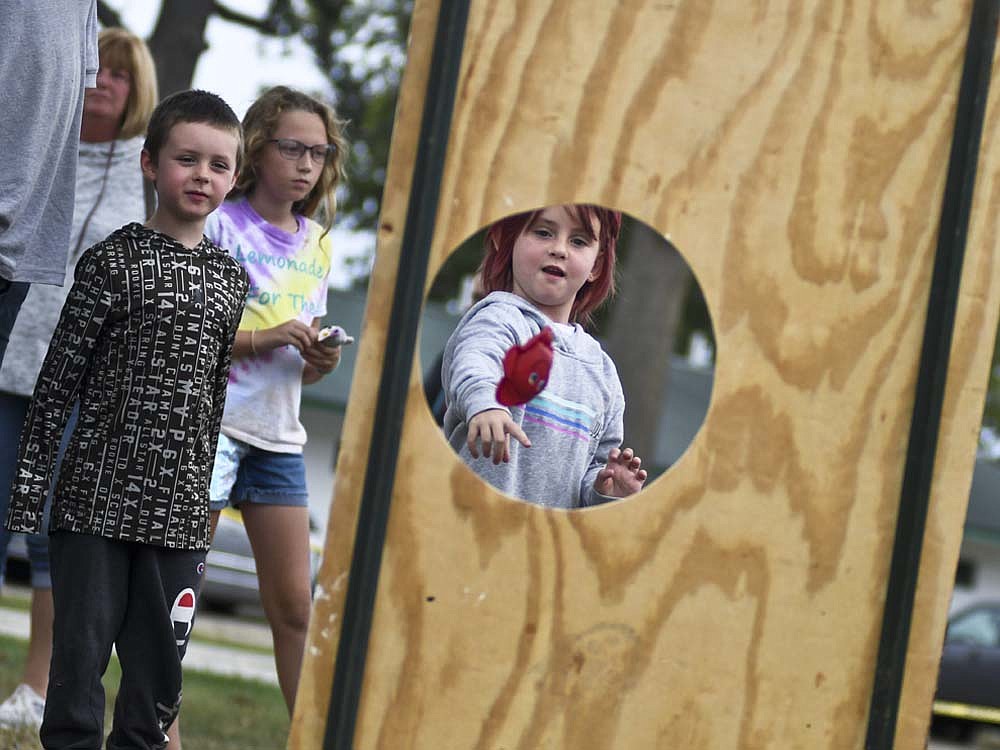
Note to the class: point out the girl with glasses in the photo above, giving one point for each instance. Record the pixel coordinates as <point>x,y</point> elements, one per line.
<point>294,163</point>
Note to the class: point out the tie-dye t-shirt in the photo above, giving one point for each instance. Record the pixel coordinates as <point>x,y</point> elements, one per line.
<point>288,279</point>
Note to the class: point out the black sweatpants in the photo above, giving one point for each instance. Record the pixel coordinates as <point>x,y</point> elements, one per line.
<point>137,597</point>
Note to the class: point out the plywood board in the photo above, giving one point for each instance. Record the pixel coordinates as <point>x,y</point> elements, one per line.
<point>795,152</point>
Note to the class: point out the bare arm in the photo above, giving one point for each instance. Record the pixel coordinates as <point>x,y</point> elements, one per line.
<point>253,343</point>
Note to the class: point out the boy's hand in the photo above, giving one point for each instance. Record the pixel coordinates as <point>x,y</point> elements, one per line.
<point>323,358</point>
<point>621,475</point>
<point>293,332</point>
<point>493,427</point>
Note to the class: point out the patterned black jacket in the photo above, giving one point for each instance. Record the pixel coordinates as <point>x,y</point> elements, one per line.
<point>144,342</point>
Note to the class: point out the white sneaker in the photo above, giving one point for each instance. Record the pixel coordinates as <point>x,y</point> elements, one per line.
<point>24,707</point>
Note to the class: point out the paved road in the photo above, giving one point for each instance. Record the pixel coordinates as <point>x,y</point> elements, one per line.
<point>205,652</point>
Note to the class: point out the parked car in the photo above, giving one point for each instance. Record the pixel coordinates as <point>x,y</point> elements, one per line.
<point>230,572</point>
<point>968,689</point>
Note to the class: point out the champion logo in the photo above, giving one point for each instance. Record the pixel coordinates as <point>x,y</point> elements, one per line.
<point>201,568</point>
<point>182,615</point>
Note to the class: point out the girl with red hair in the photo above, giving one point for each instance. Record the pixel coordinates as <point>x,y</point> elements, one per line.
<point>547,268</point>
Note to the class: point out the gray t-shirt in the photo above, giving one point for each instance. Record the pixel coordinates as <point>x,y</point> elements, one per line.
<point>573,424</point>
<point>108,195</point>
<point>48,54</point>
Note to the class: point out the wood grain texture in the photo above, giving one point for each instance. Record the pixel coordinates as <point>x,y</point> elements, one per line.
<point>966,391</point>
<point>795,152</point>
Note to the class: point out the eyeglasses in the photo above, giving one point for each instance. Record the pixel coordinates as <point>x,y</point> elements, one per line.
<point>295,150</point>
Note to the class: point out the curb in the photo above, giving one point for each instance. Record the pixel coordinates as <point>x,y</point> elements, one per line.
<point>200,657</point>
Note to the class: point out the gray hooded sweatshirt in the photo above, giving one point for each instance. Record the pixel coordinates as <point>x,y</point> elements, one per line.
<point>573,424</point>
<point>108,195</point>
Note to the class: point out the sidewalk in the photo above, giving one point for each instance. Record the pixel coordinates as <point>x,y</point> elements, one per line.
<point>202,656</point>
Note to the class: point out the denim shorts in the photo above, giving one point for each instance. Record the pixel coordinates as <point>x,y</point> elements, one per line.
<point>244,473</point>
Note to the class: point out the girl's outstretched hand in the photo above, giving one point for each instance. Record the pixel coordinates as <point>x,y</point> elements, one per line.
<point>622,475</point>
<point>493,428</point>
<point>293,332</point>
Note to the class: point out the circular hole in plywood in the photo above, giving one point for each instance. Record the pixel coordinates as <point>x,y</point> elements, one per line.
<point>651,342</point>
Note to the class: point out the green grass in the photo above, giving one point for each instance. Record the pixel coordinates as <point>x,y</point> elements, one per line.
<point>20,603</point>
<point>219,713</point>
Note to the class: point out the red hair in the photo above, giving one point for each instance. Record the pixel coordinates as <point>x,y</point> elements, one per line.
<point>497,269</point>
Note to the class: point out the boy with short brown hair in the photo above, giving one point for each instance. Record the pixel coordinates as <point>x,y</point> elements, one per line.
<point>144,344</point>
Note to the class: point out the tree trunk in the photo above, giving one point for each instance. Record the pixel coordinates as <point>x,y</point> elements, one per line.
<point>107,15</point>
<point>178,41</point>
<point>641,330</point>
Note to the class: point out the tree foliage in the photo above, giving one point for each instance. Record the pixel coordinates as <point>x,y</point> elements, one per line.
<point>360,45</point>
